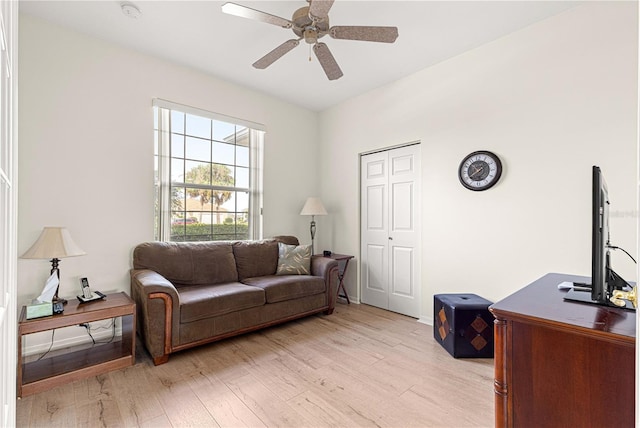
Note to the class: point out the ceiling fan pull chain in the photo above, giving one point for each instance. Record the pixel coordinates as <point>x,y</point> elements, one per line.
<point>309,53</point>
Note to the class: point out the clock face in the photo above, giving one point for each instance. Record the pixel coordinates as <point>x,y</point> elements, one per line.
<point>480,170</point>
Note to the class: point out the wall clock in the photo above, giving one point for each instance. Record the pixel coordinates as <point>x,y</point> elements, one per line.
<point>480,170</point>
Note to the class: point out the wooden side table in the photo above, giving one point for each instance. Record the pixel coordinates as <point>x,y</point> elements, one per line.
<point>41,375</point>
<point>342,270</point>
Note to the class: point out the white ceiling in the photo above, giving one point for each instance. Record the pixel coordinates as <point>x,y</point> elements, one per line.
<point>197,34</point>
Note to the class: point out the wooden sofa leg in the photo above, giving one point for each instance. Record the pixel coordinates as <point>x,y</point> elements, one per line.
<point>328,311</point>
<point>160,360</point>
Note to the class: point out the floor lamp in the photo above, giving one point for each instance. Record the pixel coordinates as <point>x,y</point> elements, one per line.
<point>313,207</point>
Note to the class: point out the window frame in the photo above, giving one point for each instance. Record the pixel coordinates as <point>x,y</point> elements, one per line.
<point>163,183</point>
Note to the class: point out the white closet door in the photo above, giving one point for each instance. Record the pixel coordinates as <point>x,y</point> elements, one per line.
<point>404,232</point>
<point>390,247</point>
<point>374,249</point>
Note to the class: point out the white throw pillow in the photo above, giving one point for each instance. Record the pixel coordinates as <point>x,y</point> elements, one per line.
<point>294,260</point>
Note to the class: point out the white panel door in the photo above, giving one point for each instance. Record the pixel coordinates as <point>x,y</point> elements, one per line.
<point>390,247</point>
<point>404,233</point>
<point>374,226</point>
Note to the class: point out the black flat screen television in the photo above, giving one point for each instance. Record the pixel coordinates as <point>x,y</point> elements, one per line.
<point>603,278</point>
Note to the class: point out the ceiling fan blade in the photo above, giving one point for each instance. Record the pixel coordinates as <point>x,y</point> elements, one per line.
<point>247,12</point>
<point>275,54</point>
<point>327,61</point>
<point>319,9</point>
<point>367,34</point>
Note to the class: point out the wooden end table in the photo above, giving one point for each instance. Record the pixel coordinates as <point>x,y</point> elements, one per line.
<point>41,375</point>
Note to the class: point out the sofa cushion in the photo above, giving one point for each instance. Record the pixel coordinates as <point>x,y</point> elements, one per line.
<point>188,263</point>
<point>206,301</point>
<point>255,258</point>
<point>294,259</point>
<point>287,287</point>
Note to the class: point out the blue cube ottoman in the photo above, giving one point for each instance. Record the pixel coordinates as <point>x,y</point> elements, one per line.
<point>463,325</point>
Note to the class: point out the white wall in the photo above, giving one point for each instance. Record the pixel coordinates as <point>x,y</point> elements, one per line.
<point>86,150</point>
<point>551,100</point>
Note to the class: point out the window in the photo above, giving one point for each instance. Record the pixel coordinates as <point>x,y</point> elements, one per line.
<point>207,175</point>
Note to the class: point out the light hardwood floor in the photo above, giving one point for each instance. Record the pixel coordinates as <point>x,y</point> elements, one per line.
<point>360,366</point>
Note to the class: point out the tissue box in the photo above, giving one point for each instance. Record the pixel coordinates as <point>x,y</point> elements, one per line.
<point>39,309</point>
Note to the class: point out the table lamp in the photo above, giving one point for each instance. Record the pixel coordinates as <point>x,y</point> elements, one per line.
<point>313,207</point>
<point>54,243</point>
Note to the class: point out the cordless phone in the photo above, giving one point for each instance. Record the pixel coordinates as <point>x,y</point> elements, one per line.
<point>88,295</point>
<point>86,291</point>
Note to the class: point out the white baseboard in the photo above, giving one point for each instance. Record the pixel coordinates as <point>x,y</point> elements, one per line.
<point>425,320</point>
<point>351,300</point>
<point>422,319</point>
<point>83,338</point>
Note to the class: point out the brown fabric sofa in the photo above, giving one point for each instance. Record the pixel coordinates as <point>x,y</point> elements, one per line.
<point>191,293</point>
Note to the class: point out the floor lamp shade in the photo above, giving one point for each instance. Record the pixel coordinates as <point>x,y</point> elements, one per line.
<point>313,207</point>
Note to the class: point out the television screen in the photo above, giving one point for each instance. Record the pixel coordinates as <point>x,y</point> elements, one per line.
<point>603,278</point>
<point>599,237</point>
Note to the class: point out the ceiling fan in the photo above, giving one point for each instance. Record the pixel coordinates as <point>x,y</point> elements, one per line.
<point>311,23</point>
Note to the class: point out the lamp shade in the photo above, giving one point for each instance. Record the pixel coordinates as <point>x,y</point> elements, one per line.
<point>53,243</point>
<point>313,206</point>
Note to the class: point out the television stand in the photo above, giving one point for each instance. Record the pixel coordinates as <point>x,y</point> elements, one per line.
<point>559,363</point>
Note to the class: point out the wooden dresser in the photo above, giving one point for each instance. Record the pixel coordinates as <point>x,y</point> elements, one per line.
<point>560,363</point>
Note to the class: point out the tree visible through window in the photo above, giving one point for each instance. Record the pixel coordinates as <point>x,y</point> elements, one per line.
<point>205,168</point>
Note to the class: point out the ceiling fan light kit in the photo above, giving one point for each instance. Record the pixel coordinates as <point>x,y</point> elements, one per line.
<point>310,23</point>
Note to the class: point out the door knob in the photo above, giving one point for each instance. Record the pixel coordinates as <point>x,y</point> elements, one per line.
<point>390,238</point>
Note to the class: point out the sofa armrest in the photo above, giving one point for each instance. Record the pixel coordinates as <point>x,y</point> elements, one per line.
<point>152,282</point>
<point>158,304</point>
<point>321,266</point>
<point>328,269</point>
